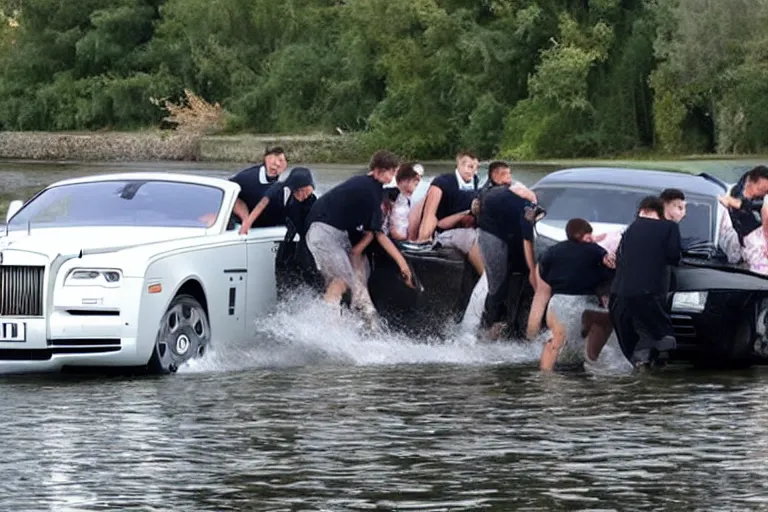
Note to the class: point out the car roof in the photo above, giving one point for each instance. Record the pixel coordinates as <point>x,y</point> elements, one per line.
<point>699,184</point>
<point>192,179</point>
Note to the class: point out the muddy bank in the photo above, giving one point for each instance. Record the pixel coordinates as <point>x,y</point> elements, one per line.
<point>168,145</point>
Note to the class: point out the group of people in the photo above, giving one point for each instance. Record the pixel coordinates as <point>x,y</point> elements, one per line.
<point>594,284</point>
<point>584,288</point>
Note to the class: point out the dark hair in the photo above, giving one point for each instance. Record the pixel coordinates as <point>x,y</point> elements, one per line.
<point>652,204</point>
<point>671,194</point>
<point>496,165</point>
<point>277,150</point>
<point>577,228</point>
<point>299,177</point>
<point>757,173</point>
<point>406,172</point>
<point>383,159</point>
<point>465,152</point>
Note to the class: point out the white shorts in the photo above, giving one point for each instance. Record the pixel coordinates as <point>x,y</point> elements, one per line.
<point>461,239</point>
<point>568,310</point>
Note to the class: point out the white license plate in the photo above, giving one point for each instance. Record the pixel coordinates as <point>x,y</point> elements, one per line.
<point>13,331</point>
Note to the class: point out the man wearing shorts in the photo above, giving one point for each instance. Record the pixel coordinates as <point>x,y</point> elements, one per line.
<point>573,269</point>
<point>352,211</point>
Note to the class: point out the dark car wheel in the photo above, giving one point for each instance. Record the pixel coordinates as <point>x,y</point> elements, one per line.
<point>183,334</point>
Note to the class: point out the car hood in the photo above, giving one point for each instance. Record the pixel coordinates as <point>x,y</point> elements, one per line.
<point>73,240</point>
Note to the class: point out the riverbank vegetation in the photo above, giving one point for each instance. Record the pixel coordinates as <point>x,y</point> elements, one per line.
<point>522,79</point>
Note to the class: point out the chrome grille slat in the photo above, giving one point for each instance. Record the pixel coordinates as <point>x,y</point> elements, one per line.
<point>21,290</point>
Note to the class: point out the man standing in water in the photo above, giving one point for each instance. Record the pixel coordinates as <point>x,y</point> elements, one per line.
<point>637,301</point>
<point>350,211</point>
<point>506,244</point>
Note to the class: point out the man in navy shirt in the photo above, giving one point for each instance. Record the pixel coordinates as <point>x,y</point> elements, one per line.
<point>254,182</point>
<point>281,197</point>
<point>506,246</point>
<point>350,211</point>
<point>447,210</point>
<point>638,292</point>
<point>573,269</point>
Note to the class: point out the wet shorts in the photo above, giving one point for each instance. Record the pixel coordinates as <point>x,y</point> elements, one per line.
<point>461,239</point>
<point>569,309</point>
<point>331,247</point>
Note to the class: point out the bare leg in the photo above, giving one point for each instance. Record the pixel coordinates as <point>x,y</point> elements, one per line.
<point>476,259</point>
<point>554,345</point>
<point>361,299</point>
<point>334,292</point>
<point>540,300</point>
<point>414,220</point>
<point>599,329</point>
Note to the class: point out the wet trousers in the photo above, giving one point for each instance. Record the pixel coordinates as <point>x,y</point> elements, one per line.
<point>641,323</point>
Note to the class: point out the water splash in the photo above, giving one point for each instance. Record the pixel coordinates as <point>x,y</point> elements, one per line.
<point>304,330</point>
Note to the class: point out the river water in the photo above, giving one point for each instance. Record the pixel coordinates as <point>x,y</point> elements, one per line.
<point>312,416</point>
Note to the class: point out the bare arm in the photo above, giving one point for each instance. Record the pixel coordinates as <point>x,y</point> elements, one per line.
<point>429,217</point>
<point>452,220</point>
<point>360,246</point>
<point>523,191</point>
<point>530,261</point>
<point>248,222</point>
<point>241,210</point>
<point>396,255</point>
<point>764,218</point>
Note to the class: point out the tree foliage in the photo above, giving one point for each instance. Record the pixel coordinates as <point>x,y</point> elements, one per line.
<point>522,78</point>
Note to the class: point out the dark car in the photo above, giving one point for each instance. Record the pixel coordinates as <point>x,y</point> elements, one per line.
<point>719,310</point>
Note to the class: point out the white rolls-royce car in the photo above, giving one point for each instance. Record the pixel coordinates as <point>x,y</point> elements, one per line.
<point>129,270</point>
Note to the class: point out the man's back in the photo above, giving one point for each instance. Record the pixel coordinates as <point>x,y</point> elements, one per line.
<point>647,247</point>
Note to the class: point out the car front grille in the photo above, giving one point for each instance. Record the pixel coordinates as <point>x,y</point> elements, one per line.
<point>21,290</point>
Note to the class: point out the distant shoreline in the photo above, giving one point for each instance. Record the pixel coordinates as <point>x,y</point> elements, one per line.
<point>150,145</point>
<point>167,145</point>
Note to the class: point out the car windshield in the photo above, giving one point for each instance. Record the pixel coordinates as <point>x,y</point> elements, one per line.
<point>619,206</point>
<point>121,203</point>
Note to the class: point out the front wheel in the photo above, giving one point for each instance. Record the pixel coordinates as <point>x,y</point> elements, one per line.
<point>183,334</point>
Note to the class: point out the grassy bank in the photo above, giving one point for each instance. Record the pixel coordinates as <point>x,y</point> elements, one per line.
<point>151,145</point>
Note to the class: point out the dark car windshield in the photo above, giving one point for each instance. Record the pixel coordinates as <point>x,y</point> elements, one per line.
<point>619,206</point>
<point>120,203</point>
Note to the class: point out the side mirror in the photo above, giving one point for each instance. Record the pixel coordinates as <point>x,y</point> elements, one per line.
<point>13,208</point>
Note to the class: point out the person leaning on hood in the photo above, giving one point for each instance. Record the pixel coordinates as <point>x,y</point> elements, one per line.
<point>273,209</point>
<point>254,182</point>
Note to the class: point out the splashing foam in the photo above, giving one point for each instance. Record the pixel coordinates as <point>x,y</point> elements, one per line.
<point>304,330</point>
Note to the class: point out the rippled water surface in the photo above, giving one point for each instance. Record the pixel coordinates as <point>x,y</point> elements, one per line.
<point>313,415</point>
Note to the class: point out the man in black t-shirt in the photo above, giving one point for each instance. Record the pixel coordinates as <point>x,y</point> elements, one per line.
<point>638,299</point>
<point>254,182</point>
<point>506,245</point>
<point>282,196</point>
<point>350,211</point>
<point>573,269</point>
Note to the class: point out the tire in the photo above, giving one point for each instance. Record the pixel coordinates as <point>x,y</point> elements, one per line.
<point>183,334</point>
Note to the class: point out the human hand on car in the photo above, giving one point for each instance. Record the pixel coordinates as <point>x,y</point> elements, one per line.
<point>405,273</point>
<point>729,201</point>
<point>609,260</point>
